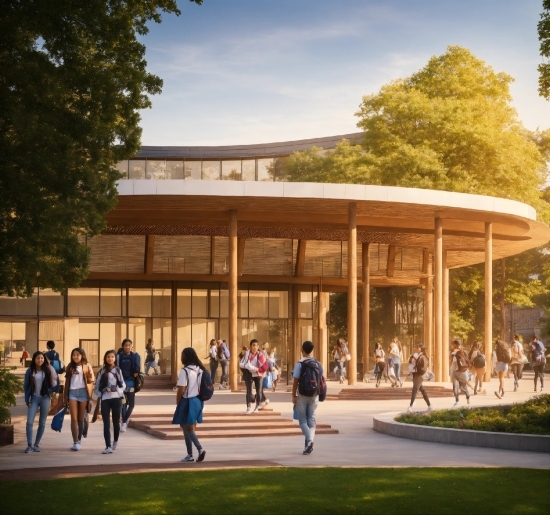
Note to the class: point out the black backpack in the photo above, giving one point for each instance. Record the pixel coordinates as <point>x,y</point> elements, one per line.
<point>479,360</point>
<point>309,383</point>
<point>206,388</point>
<point>139,381</point>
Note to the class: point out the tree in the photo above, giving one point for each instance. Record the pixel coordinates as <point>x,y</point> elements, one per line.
<point>72,80</point>
<point>544,38</point>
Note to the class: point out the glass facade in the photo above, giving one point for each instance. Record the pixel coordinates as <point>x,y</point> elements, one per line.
<point>100,314</point>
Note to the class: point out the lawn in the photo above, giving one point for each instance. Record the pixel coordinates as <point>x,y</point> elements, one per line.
<point>289,491</point>
<point>531,417</point>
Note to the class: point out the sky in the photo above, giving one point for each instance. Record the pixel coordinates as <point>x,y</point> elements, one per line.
<point>260,71</point>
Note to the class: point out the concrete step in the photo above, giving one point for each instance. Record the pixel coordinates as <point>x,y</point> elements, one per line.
<point>241,420</point>
<point>160,382</point>
<point>169,428</point>
<point>265,412</point>
<point>237,433</point>
<point>389,393</point>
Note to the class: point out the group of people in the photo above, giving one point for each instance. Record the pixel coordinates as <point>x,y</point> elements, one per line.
<point>389,367</point>
<point>219,355</point>
<point>114,388</point>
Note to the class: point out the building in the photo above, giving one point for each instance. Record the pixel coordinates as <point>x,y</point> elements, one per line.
<point>211,242</point>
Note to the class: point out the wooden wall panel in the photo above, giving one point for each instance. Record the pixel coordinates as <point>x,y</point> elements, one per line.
<point>182,254</point>
<point>117,253</point>
<point>266,256</point>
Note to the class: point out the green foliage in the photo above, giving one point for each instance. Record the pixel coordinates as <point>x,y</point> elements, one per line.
<point>376,491</point>
<point>544,38</point>
<point>72,81</point>
<point>531,417</point>
<point>10,385</point>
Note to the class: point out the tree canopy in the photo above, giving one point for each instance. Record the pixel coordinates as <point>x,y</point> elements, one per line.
<point>544,38</point>
<point>72,80</point>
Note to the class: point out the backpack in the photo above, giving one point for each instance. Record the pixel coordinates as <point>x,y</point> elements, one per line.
<point>55,361</point>
<point>502,355</point>
<point>309,382</point>
<point>479,360</point>
<point>322,389</point>
<point>462,361</point>
<point>206,388</point>
<point>422,364</point>
<point>139,380</point>
<point>226,352</point>
<point>537,356</point>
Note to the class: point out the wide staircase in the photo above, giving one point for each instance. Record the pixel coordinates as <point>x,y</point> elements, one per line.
<point>160,382</point>
<point>225,425</point>
<point>385,393</point>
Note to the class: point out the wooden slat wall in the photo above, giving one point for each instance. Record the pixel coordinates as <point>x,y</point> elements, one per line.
<point>268,256</point>
<point>221,253</point>
<point>182,254</point>
<point>117,253</point>
<point>323,258</point>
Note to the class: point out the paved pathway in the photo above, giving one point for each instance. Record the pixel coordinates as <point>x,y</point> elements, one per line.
<point>357,445</point>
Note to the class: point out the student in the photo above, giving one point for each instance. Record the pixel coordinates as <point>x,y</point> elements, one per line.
<point>223,359</point>
<point>340,353</point>
<point>129,363</point>
<point>476,358</point>
<point>271,355</point>
<point>79,380</point>
<point>189,406</point>
<point>256,363</point>
<point>151,358</point>
<point>306,402</point>
<point>110,389</point>
<point>396,354</point>
<point>213,358</point>
<point>518,360</point>
<point>53,357</point>
<point>379,357</point>
<point>421,364</point>
<point>459,371</point>
<point>538,360</point>
<point>501,358</point>
<point>40,382</point>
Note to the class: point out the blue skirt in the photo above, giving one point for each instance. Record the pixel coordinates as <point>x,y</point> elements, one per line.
<point>188,411</point>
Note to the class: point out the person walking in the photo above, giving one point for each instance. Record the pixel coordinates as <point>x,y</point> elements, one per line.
<point>271,355</point>
<point>420,362</point>
<point>188,405</point>
<point>256,363</point>
<point>223,359</point>
<point>247,378</point>
<point>538,360</point>
<point>304,398</point>
<point>79,381</point>
<point>518,360</point>
<point>340,352</point>
<point>213,358</point>
<point>501,358</point>
<point>459,365</point>
<point>53,357</point>
<point>130,364</point>
<point>40,382</point>
<point>109,389</point>
<point>396,355</point>
<point>380,362</point>
<point>477,365</point>
<point>151,358</point>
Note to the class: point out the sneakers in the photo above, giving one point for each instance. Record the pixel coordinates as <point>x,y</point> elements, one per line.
<point>123,427</point>
<point>29,449</point>
<point>266,402</point>
<point>273,388</point>
<point>468,401</point>
<point>108,450</point>
<point>501,393</point>
<point>456,404</point>
<point>114,446</point>
<point>430,408</point>
<point>410,409</point>
<point>188,458</point>
<point>515,388</point>
<point>248,411</point>
<point>308,449</point>
<point>201,456</point>
<point>377,385</point>
<point>256,409</point>
<point>36,448</point>
<point>76,447</point>
<point>263,404</point>
<point>498,395</point>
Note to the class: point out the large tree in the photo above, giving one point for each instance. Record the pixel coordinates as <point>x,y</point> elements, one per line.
<point>72,80</point>
<point>544,38</point>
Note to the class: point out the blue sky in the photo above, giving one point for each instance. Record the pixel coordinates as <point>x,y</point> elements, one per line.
<point>255,71</point>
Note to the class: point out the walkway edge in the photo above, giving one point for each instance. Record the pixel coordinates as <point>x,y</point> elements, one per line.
<point>385,423</point>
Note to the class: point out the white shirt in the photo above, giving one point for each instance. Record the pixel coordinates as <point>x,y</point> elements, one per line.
<point>190,377</point>
<point>77,380</point>
<point>38,380</point>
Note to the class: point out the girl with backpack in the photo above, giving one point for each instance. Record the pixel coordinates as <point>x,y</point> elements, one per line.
<point>256,363</point>
<point>223,360</point>
<point>420,367</point>
<point>518,361</point>
<point>477,365</point>
<point>340,352</point>
<point>79,382</point>
<point>396,355</point>
<point>538,360</point>
<point>213,358</point>
<point>40,382</point>
<point>189,406</point>
<point>501,358</point>
<point>459,371</point>
<point>379,357</point>
<point>109,389</point>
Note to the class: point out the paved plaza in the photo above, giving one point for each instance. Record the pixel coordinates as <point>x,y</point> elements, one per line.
<point>356,445</point>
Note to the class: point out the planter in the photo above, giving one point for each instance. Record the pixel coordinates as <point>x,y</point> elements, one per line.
<point>6,434</point>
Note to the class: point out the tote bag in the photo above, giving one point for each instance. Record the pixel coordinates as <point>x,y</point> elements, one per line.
<point>57,420</point>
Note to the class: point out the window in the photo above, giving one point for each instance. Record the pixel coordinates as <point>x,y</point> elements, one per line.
<point>136,169</point>
<point>211,170</point>
<point>50,303</point>
<point>249,170</point>
<point>278,304</point>
<point>122,167</point>
<point>231,170</point>
<point>174,170</point>
<point>184,303</point>
<point>84,302</point>
<point>155,169</point>
<point>258,304</point>
<point>162,302</point>
<point>113,301</point>
<point>200,303</point>
<point>192,170</point>
<point>139,302</point>
<point>265,169</point>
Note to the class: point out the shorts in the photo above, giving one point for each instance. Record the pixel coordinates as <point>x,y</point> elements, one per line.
<point>501,366</point>
<point>78,394</point>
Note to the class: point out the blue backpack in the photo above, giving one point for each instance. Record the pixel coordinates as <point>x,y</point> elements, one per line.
<point>206,388</point>
<point>310,378</point>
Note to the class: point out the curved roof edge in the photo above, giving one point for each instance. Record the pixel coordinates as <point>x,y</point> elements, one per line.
<point>306,190</point>
<point>235,151</point>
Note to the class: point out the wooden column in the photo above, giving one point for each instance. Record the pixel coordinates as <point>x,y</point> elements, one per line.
<point>321,352</point>
<point>233,289</point>
<point>488,298</point>
<point>352,293</point>
<point>438,293</point>
<point>365,269</point>
<point>175,360</point>
<point>445,353</point>
<point>212,253</point>
<point>429,317</point>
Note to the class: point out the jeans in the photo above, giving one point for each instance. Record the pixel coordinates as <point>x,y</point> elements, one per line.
<point>539,373</point>
<point>108,406</point>
<point>213,370</point>
<point>258,384</point>
<point>417,386</point>
<point>151,364</point>
<point>225,367</point>
<point>190,438</point>
<point>306,408</point>
<point>517,370</point>
<point>341,374</point>
<point>130,403</point>
<point>397,369</point>
<point>460,380</point>
<point>379,371</point>
<point>42,403</point>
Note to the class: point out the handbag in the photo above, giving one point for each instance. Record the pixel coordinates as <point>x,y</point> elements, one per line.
<point>96,410</point>
<point>57,420</point>
<point>348,357</point>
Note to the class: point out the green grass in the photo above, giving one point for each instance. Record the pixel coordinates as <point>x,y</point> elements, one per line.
<point>531,417</point>
<point>289,491</point>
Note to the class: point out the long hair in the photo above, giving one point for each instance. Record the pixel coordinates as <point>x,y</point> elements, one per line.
<point>340,342</point>
<point>475,346</point>
<point>72,365</point>
<point>106,369</point>
<point>45,368</point>
<point>189,357</point>
<point>33,363</point>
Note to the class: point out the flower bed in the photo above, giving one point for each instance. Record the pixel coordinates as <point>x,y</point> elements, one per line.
<point>531,417</point>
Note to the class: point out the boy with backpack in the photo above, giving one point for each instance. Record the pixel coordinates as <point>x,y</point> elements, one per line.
<point>538,360</point>
<point>308,388</point>
<point>459,371</point>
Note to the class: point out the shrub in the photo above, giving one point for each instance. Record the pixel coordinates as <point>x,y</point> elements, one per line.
<point>10,385</point>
